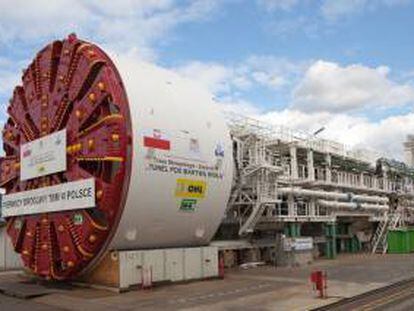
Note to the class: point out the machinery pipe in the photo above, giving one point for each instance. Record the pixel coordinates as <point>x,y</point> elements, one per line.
<point>352,205</point>
<point>333,195</point>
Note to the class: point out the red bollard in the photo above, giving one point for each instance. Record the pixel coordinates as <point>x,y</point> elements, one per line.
<point>319,280</point>
<point>146,278</point>
<point>221,267</point>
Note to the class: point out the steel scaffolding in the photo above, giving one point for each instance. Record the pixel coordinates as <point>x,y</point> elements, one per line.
<point>283,175</point>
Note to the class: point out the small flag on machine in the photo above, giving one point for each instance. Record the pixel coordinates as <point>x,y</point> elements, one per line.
<point>157,140</point>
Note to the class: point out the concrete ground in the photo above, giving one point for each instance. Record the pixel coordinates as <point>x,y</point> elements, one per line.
<point>263,288</point>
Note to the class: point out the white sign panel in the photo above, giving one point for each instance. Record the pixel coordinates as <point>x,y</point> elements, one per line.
<point>43,156</point>
<point>287,244</point>
<point>302,244</point>
<point>297,244</point>
<point>68,196</point>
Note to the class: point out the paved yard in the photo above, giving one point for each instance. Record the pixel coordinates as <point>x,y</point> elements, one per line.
<point>264,288</point>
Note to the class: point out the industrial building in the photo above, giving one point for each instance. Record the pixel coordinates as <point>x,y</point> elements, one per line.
<point>289,184</point>
<point>409,150</point>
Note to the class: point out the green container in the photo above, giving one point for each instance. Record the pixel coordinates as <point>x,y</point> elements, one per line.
<point>330,246</point>
<point>292,229</point>
<point>355,245</point>
<point>411,238</point>
<point>399,241</point>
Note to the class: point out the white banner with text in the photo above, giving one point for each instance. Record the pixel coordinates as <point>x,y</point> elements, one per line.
<point>68,196</point>
<point>43,156</point>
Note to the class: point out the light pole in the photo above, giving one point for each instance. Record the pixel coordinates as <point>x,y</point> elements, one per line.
<point>318,131</point>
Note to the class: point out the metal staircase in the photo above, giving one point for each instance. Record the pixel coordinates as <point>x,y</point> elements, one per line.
<point>258,163</point>
<point>379,240</point>
<point>254,217</point>
<point>265,195</point>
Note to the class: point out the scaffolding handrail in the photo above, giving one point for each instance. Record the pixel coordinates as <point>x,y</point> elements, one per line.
<point>243,125</point>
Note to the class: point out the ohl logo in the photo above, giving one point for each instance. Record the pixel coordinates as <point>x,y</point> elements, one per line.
<point>195,189</point>
<point>190,188</point>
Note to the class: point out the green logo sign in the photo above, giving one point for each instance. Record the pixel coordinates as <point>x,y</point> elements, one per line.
<point>77,219</point>
<point>188,205</point>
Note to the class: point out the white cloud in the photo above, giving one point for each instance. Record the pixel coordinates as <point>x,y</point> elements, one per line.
<point>272,81</point>
<point>239,107</point>
<point>133,28</point>
<point>125,26</point>
<point>122,25</point>
<point>324,94</point>
<point>327,86</point>
<point>335,9</point>
<point>314,23</point>
<point>272,5</point>
<point>8,80</point>
<point>28,20</point>
<point>385,136</point>
<point>128,7</point>
<point>256,71</point>
<point>9,77</point>
<point>216,77</point>
<point>273,72</point>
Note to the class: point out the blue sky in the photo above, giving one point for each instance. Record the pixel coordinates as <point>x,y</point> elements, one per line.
<point>346,65</point>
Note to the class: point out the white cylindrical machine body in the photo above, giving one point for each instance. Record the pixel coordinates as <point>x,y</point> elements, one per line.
<point>160,211</point>
<point>146,159</point>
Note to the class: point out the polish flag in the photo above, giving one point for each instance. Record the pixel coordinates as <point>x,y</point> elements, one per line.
<point>157,140</point>
<point>27,153</point>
